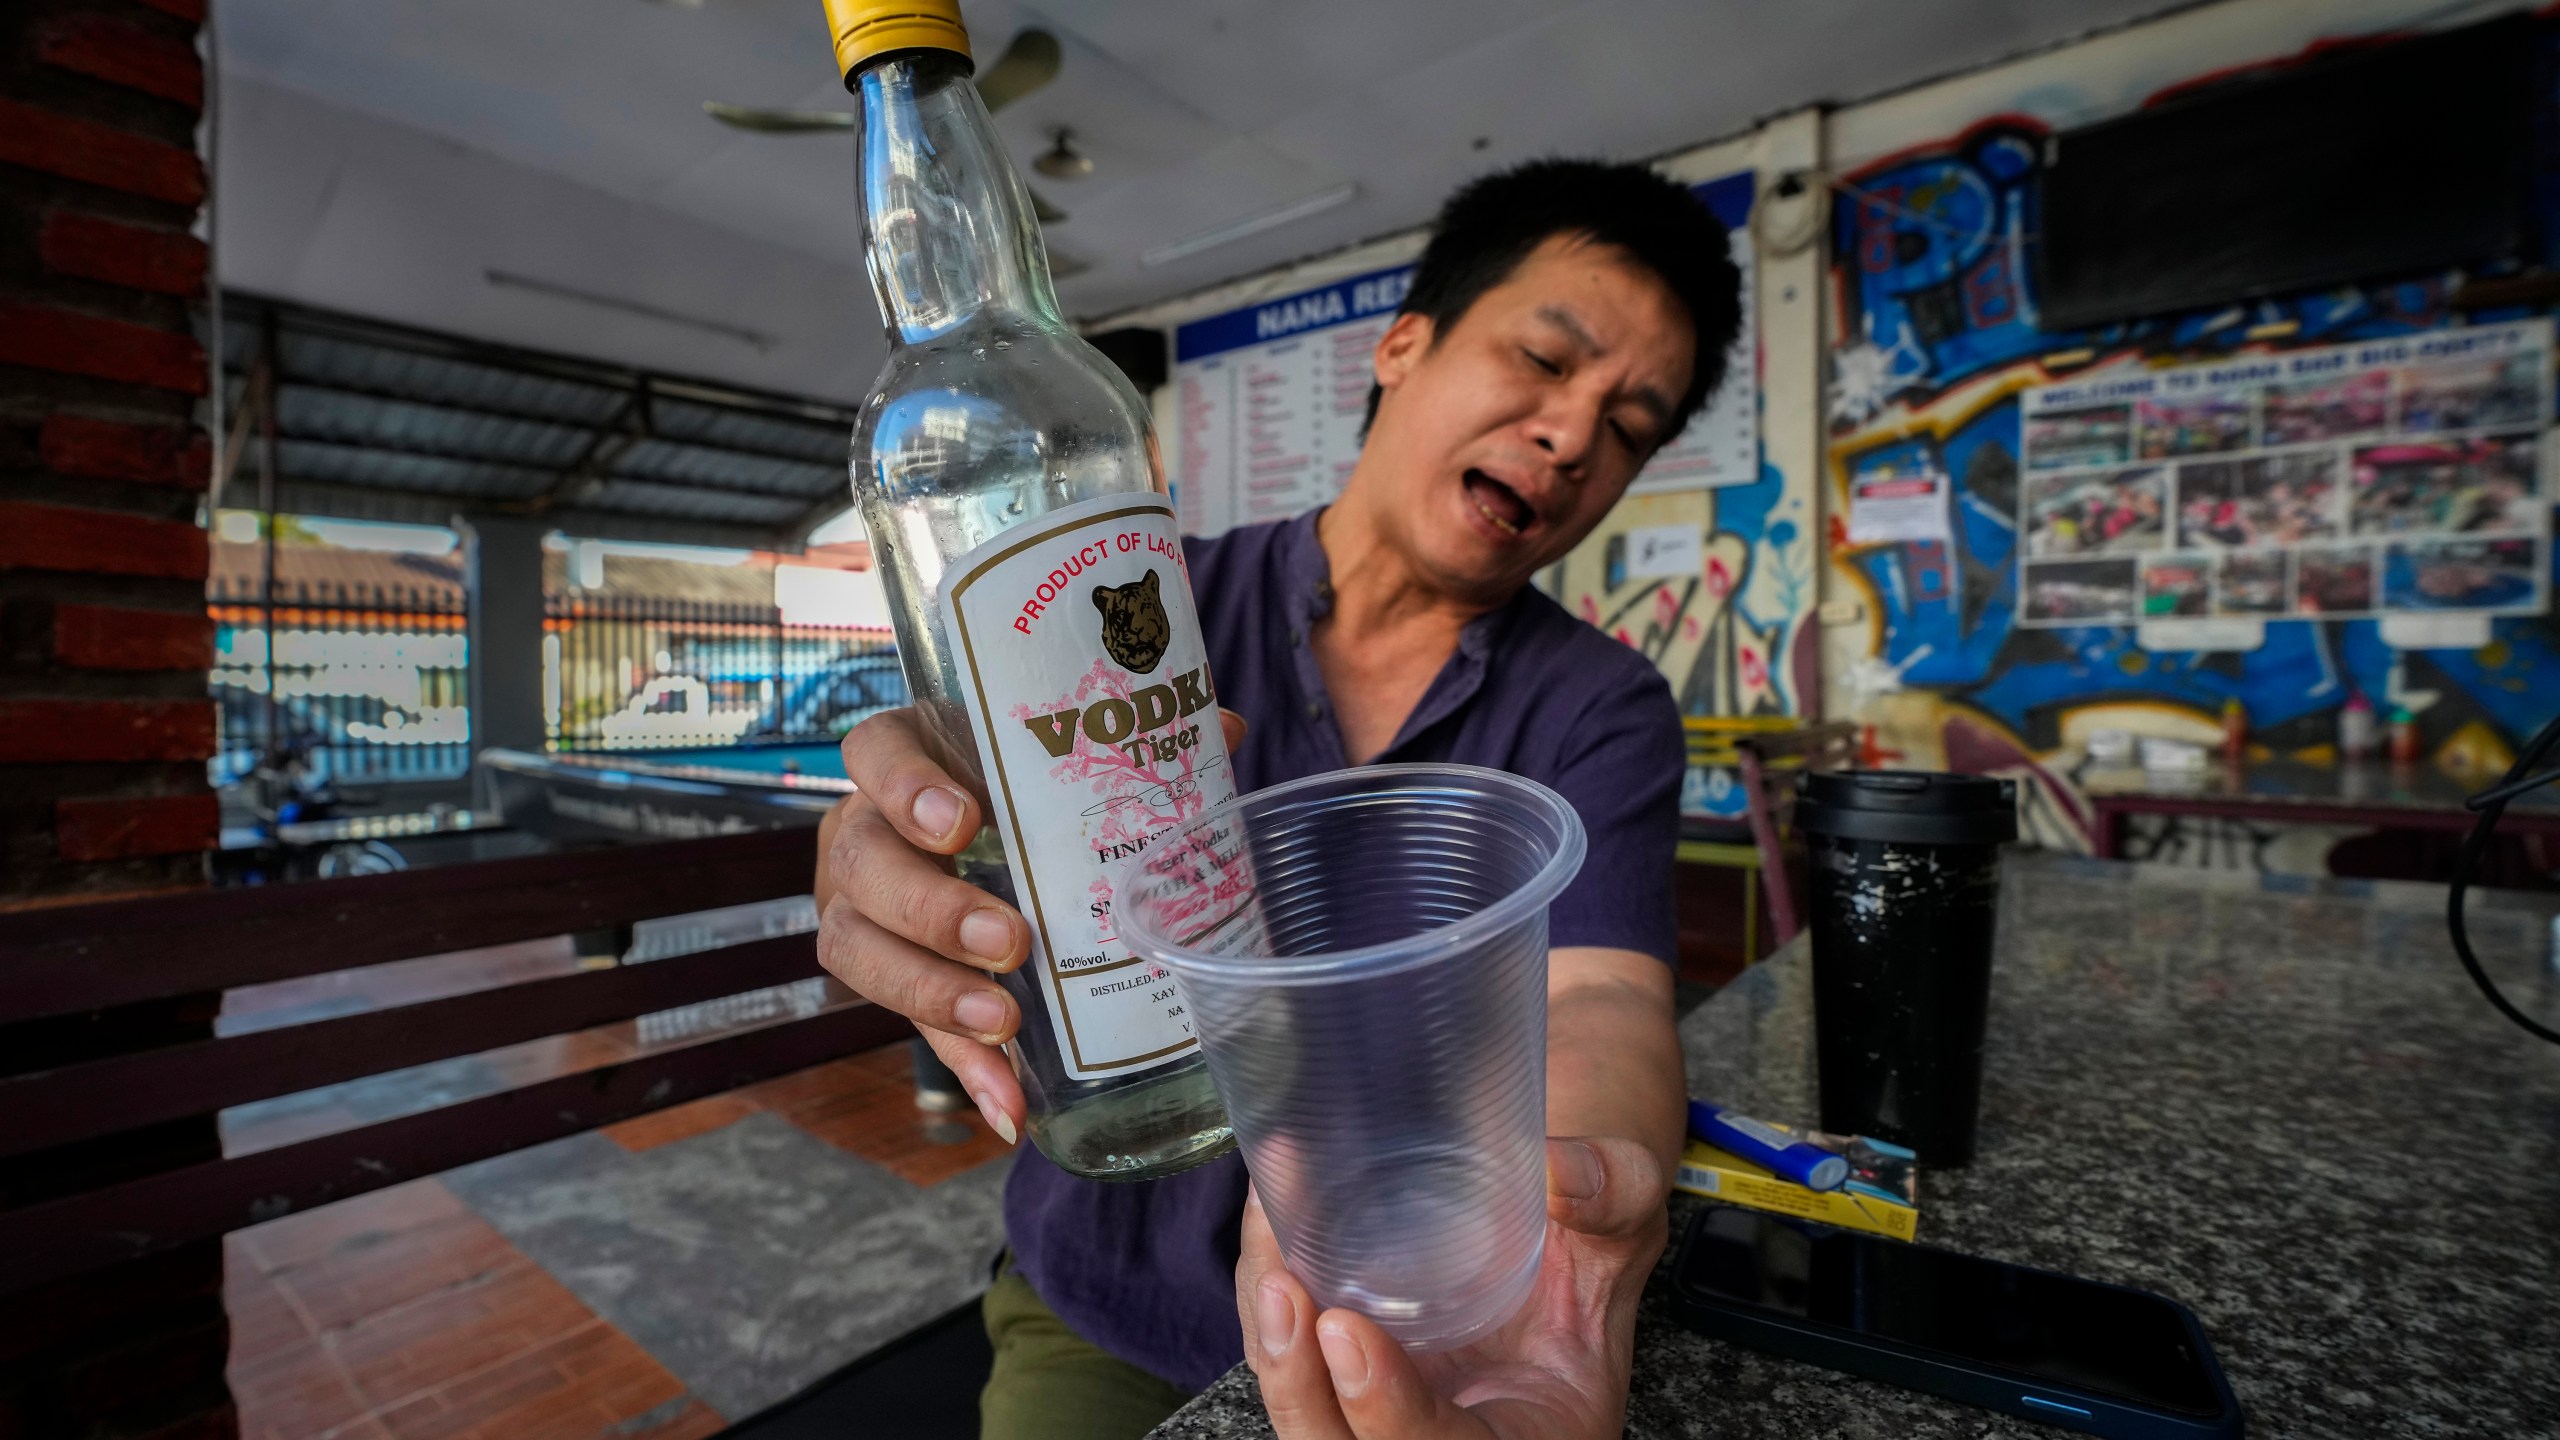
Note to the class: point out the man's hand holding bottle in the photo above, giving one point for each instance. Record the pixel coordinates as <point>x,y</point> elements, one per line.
<point>906,933</point>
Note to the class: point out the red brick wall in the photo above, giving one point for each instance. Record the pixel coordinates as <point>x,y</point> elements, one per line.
<point>102,463</point>
<point>104,644</point>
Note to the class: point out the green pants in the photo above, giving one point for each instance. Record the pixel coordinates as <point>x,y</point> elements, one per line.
<point>1049,1383</point>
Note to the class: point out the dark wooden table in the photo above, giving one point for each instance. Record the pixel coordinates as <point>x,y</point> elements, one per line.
<point>2369,794</point>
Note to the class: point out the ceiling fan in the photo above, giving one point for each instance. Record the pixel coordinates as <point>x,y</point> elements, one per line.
<point>1029,62</point>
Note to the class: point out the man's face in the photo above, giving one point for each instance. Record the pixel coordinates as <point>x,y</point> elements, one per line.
<point>1506,437</point>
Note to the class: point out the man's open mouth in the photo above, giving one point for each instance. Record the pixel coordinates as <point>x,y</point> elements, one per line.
<point>1499,503</point>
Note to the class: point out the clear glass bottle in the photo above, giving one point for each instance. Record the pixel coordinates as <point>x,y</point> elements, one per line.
<point>1017,509</point>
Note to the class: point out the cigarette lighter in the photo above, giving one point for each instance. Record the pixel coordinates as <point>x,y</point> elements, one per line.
<point>1801,1161</point>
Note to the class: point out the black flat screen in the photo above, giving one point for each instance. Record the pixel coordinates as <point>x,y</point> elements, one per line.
<point>2375,162</point>
<point>2066,1332</point>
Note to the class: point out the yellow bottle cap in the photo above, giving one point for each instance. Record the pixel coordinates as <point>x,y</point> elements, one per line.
<point>865,28</point>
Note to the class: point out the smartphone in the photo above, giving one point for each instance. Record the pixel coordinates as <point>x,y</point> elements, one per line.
<point>2100,1359</point>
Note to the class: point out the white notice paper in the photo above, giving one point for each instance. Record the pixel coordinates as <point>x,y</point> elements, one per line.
<point>2435,632</point>
<point>1890,509</point>
<point>2225,634</point>
<point>1658,550</point>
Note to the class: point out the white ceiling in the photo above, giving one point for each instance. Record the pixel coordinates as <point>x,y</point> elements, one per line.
<point>384,157</point>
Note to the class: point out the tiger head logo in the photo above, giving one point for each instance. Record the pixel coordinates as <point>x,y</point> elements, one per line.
<point>1135,628</point>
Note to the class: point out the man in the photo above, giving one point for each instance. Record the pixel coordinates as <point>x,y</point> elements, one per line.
<point>1565,322</point>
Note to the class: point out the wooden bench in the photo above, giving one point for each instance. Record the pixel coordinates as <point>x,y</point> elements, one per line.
<point>78,959</point>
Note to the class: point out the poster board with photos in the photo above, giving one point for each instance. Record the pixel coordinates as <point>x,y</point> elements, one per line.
<point>2400,476</point>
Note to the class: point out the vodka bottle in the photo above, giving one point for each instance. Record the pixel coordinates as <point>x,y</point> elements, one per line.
<point>1017,508</point>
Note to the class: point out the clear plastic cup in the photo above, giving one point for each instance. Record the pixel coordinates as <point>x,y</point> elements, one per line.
<point>1364,957</point>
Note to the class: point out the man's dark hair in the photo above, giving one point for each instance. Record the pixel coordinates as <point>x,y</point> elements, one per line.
<point>1493,223</point>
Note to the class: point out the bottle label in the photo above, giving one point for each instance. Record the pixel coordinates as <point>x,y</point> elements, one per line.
<point>1085,676</point>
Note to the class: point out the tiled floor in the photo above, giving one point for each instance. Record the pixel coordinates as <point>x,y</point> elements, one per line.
<point>407,1314</point>
<point>752,1260</point>
<point>867,1105</point>
<point>401,1315</point>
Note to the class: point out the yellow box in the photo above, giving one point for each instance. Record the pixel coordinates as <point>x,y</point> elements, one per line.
<point>1722,1175</point>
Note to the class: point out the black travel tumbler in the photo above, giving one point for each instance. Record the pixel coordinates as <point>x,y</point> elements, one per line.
<point>1906,892</point>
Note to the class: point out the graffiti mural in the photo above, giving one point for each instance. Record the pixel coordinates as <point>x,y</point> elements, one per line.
<point>1720,628</point>
<point>1935,336</point>
<point>1726,618</point>
<point>1929,254</point>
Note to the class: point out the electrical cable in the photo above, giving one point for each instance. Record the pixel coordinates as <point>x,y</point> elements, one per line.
<point>2490,804</point>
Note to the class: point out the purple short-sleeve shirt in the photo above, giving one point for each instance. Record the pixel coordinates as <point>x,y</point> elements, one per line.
<point>1146,1271</point>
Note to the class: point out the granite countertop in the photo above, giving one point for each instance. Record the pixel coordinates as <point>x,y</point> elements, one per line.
<point>2278,1100</point>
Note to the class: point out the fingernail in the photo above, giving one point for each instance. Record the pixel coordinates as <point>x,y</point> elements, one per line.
<point>936,811</point>
<point>1573,1169</point>
<point>1275,1317</point>
<point>1348,1362</point>
<point>995,1117</point>
<point>987,934</point>
<point>980,1012</point>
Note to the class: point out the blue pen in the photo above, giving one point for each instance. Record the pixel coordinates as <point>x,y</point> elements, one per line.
<point>1801,1161</point>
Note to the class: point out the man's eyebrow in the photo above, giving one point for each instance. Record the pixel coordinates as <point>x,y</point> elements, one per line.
<point>1564,320</point>
<point>1561,318</point>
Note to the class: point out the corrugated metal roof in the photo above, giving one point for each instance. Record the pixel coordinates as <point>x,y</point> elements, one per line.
<point>675,464</point>
<point>377,468</point>
<point>823,444</point>
<point>642,497</point>
<point>382,422</point>
<point>346,417</point>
